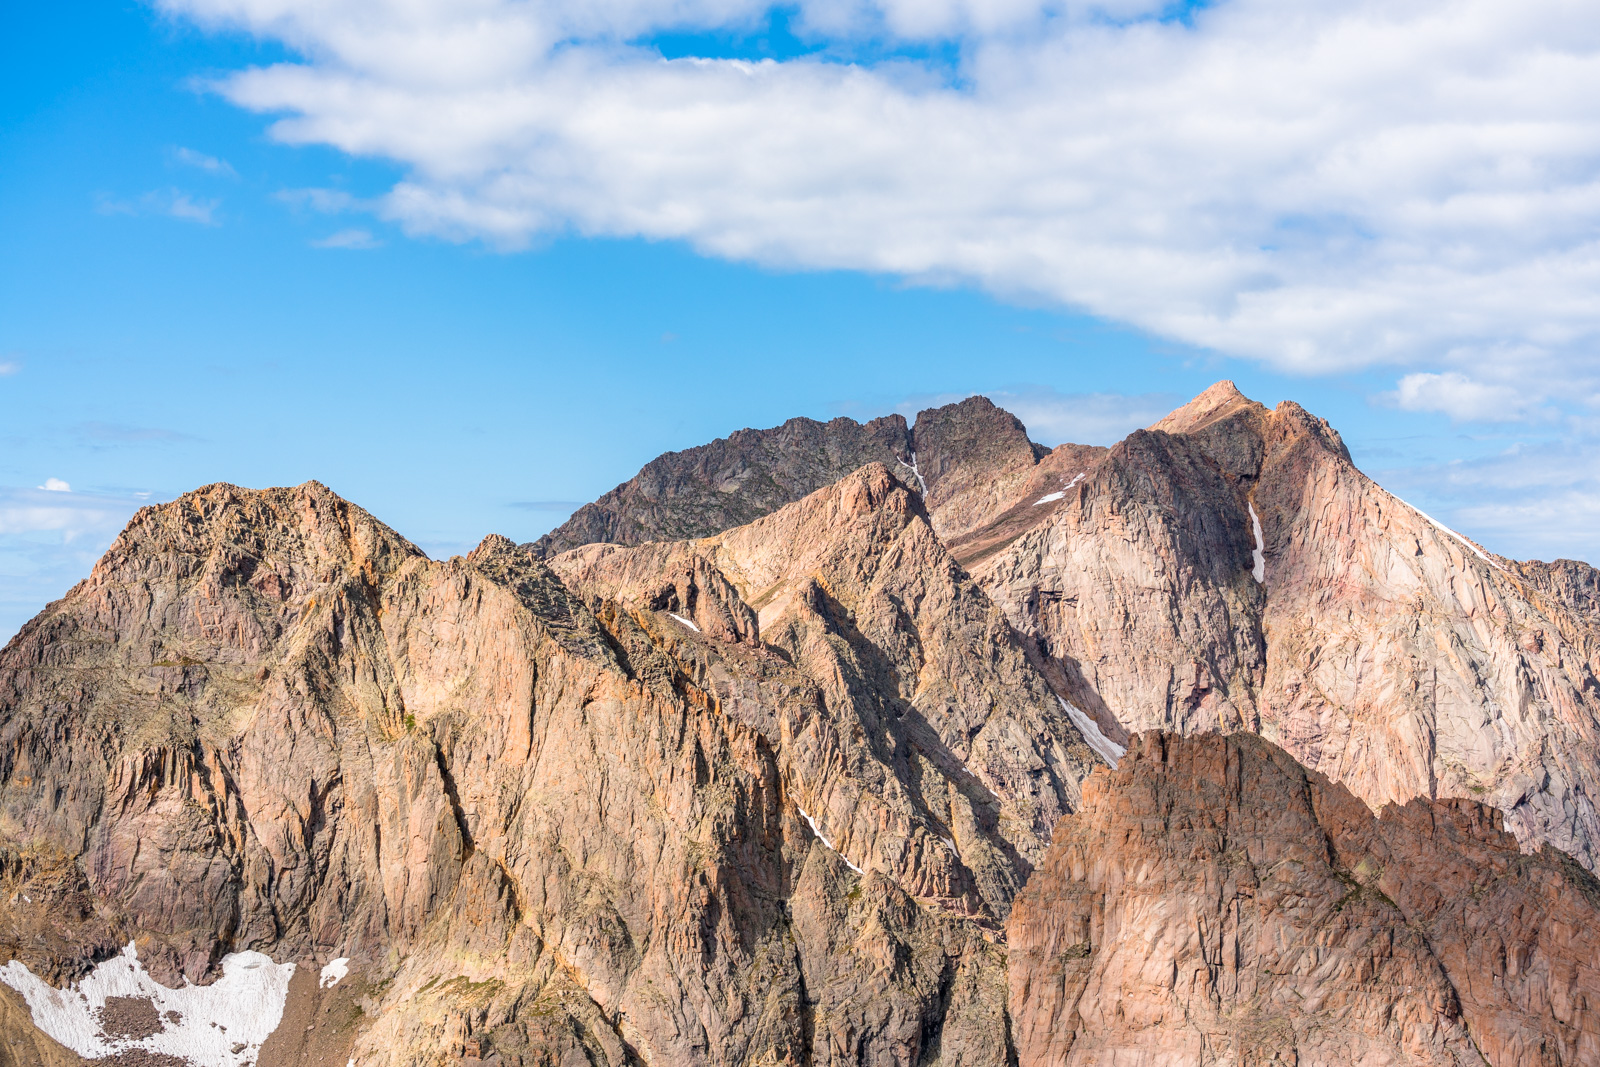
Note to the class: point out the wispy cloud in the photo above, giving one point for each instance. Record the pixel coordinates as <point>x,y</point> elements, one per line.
<point>9,367</point>
<point>351,239</point>
<point>1317,184</point>
<point>566,506</point>
<point>1530,499</point>
<point>325,201</point>
<point>210,164</point>
<point>174,203</point>
<point>55,485</point>
<point>1053,417</point>
<point>49,539</point>
<point>1083,418</point>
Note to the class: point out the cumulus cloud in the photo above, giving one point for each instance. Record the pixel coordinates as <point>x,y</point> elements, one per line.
<point>1317,184</point>
<point>55,485</point>
<point>1460,397</point>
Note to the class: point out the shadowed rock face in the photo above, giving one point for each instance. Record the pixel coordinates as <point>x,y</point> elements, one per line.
<point>1215,903</point>
<point>971,460</point>
<point>705,490</point>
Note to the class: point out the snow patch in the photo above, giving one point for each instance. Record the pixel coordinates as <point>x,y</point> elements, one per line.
<point>1475,549</point>
<point>1108,749</point>
<point>1048,497</point>
<point>1258,554</point>
<point>813,824</point>
<point>685,621</point>
<point>334,972</point>
<point>238,1011</point>
<point>915,472</point>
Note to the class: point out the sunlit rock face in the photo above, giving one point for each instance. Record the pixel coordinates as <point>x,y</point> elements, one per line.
<point>118,1009</point>
<point>786,775</point>
<point>603,818</point>
<point>1378,647</point>
<point>1215,902</point>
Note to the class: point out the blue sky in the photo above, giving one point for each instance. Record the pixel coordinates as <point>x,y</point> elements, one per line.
<point>189,294</point>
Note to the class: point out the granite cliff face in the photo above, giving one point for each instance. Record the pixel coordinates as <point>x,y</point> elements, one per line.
<point>1216,903</point>
<point>808,747</point>
<point>1376,646</point>
<point>541,822</point>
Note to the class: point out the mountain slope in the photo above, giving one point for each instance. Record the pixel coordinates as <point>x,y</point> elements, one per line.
<point>1378,647</point>
<point>1214,902</point>
<point>843,784</point>
<point>534,824</point>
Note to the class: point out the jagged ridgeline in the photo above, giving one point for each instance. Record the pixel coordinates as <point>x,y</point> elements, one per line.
<point>827,744</point>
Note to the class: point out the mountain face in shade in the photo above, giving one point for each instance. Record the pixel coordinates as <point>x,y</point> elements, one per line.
<point>705,490</point>
<point>829,744</point>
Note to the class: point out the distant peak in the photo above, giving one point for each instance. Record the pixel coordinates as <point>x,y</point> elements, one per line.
<point>1219,401</point>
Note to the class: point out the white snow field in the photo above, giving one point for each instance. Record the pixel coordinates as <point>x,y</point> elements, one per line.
<point>217,1025</point>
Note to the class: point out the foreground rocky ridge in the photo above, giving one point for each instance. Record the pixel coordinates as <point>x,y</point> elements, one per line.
<point>1216,903</point>
<point>538,822</point>
<point>770,794</point>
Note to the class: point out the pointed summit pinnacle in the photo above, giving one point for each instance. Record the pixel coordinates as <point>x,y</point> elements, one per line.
<point>1219,401</point>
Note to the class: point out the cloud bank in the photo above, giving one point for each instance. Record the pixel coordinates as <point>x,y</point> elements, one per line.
<point>1318,184</point>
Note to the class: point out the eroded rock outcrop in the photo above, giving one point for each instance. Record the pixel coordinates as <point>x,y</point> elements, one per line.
<point>942,767</point>
<point>1215,903</point>
<point>540,825</point>
<point>769,794</point>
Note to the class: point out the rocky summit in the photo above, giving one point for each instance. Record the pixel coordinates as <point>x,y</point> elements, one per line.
<point>834,743</point>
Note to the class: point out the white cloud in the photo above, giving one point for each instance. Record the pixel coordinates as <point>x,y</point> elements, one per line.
<point>1083,418</point>
<point>183,206</point>
<point>209,164</point>
<point>1318,184</point>
<point>55,485</point>
<point>355,239</point>
<point>9,367</point>
<point>49,539</point>
<point>1460,397</point>
<point>1539,499</point>
<point>1054,418</point>
<point>171,202</point>
<point>326,201</point>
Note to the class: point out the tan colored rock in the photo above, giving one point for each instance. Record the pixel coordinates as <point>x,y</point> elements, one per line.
<point>1215,903</point>
<point>1381,649</point>
<point>542,832</point>
<point>942,768</point>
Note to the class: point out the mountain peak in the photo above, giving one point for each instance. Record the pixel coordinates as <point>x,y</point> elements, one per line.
<point>1217,402</point>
